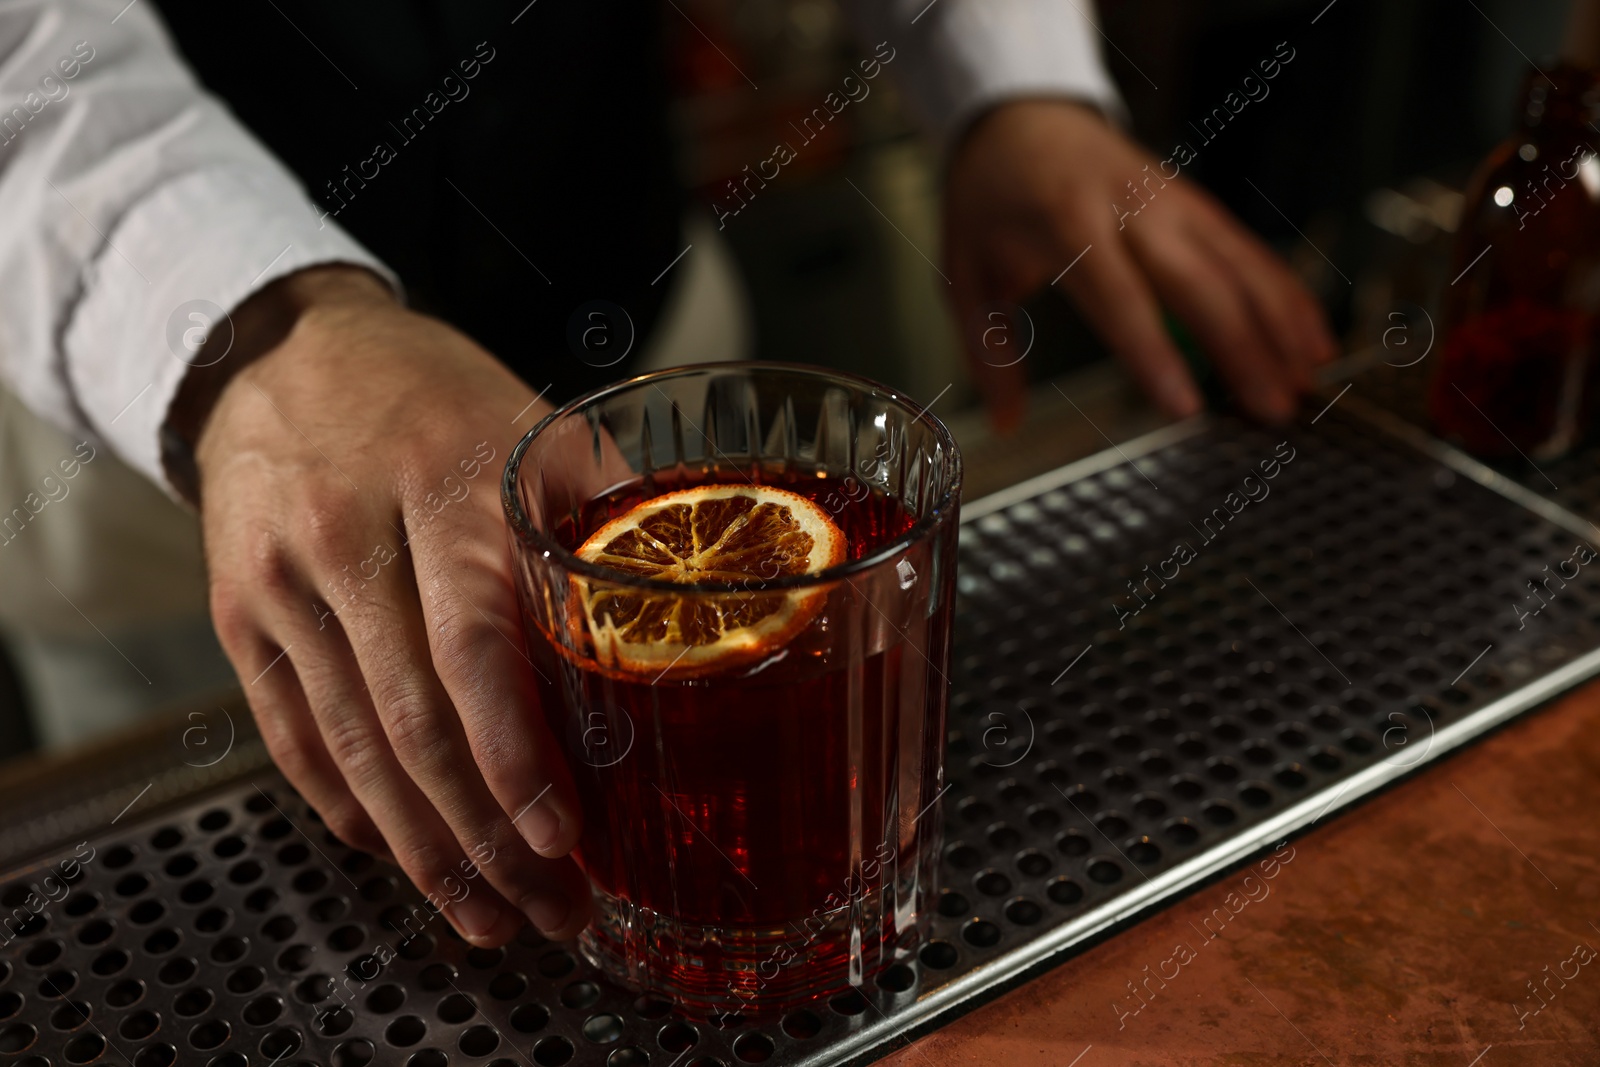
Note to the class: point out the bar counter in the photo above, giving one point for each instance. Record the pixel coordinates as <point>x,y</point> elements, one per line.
<point>1451,919</point>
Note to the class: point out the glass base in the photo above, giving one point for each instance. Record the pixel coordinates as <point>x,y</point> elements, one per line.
<point>707,971</point>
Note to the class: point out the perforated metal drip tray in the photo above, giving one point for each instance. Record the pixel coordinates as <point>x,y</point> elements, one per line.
<point>1315,613</point>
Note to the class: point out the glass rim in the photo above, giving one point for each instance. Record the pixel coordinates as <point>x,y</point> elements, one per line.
<point>523,530</point>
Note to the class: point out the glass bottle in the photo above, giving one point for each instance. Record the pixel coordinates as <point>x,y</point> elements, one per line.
<point>1519,318</point>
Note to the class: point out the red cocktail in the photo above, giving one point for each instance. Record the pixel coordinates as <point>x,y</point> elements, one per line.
<point>744,654</point>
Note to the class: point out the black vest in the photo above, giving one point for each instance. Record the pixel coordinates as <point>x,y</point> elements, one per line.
<point>510,173</point>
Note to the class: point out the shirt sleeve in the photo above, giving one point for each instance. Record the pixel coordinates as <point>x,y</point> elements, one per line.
<point>958,58</point>
<point>137,211</point>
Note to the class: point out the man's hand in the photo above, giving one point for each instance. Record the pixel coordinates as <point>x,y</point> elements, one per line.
<point>361,585</point>
<point>1036,183</point>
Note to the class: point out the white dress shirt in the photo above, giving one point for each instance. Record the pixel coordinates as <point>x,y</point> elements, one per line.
<point>130,193</point>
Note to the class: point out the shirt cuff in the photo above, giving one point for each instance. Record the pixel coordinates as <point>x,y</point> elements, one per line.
<point>244,229</point>
<point>968,57</point>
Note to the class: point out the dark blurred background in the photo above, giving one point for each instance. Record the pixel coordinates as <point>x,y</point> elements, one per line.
<point>1362,146</point>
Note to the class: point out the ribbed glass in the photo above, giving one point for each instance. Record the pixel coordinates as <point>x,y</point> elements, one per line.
<point>763,833</point>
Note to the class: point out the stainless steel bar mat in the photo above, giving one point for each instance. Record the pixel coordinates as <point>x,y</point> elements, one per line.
<point>1169,657</point>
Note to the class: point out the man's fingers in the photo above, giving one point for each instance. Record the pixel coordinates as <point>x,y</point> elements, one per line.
<point>992,343</point>
<point>1112,294</point>
<point>1203,294</point>
<point>476,641</point>
<point>418,837</point>
<point>388,635</point>
<point>1290,316</point>
<point>290,733</point>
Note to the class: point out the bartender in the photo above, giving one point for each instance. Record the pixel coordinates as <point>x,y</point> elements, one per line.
<point>396,211</point>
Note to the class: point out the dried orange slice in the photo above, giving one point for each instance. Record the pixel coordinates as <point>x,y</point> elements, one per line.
<point>726,534</point>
